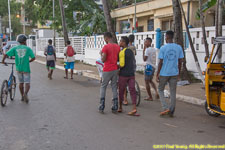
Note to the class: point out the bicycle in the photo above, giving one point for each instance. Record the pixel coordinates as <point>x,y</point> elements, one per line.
<point>8,86</point>
<point>138,93</point>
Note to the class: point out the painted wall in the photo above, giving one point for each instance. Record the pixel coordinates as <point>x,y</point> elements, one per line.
<point>159,10</point>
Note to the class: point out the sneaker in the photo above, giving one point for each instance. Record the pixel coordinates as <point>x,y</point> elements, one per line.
<point>102,105</point>
<point>115,105</point>
<point>26,99</point>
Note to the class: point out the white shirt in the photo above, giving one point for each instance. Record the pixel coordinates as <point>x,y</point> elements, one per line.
<point>150,52</point>
<point>67,58</point>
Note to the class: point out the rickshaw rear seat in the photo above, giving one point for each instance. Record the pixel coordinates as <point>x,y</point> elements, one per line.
<point>222,100</point>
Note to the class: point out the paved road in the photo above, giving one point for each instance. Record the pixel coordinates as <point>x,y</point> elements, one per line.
<point>62,115</point>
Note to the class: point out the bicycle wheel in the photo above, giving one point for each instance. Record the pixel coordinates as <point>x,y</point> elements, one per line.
<point>138,93</point>
<point>4,92</point>
<point>13,88</point>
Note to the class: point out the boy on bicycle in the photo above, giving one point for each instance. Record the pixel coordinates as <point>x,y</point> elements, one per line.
<point>22,55</point>
<point>50,58</point>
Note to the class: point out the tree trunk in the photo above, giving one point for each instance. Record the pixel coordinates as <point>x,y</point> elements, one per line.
<point>219,28</point>
<point>202,19</point>
<point>178,36</point>
<point>65,33</point>
<point>108,19</point>
<point>191,44</point>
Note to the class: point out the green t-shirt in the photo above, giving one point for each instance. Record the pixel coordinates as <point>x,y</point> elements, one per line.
<point>22,55</point>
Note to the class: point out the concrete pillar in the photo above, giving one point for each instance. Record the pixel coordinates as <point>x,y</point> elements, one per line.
<point>157,23</point>
<point>158,38</point>
<point>118,26</point>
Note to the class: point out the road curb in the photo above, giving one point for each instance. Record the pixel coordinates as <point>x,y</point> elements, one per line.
<point>89,74</point>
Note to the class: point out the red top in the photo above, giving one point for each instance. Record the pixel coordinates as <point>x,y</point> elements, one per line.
<point>112,54</point>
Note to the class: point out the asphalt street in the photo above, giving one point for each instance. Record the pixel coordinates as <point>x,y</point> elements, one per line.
<point>63,115</point>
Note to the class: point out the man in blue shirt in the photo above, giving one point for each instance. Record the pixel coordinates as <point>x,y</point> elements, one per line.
<point>170,60</point>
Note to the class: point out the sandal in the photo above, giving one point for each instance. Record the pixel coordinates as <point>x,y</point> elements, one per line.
<point>132,113</point>
<point>166,112</point>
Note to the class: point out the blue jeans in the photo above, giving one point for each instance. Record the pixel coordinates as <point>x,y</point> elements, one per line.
<point>23,77</point>
<point>172,80</point>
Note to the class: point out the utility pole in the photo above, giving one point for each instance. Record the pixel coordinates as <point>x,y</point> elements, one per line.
<point>0,24</point>
<point>24,20</point>
<point>135,12</point>
<point>63,22</point>
<point>54,23</point>
<point>10,33</point>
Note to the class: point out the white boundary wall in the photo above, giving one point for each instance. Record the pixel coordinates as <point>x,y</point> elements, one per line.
<point>88,48</point>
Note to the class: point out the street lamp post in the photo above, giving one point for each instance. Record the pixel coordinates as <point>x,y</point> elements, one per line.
<point>54,23</point>
<point>24,21</point>
<point>10,33</point>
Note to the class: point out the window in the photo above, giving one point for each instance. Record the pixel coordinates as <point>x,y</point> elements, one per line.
<point>167,25</point>
<point>140,29</point>
<point>151,25</point>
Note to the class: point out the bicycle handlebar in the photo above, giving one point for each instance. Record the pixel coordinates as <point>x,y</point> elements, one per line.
<point>9,64</point>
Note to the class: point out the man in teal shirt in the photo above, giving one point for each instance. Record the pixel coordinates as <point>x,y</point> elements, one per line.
<point>170,60</point>
<point>22,55</point>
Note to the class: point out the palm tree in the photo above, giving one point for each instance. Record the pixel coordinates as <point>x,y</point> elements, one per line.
<point>108,19</point>
<point>178,35</point>
<point>191,43</point>
<point>203,30</point>
<point>218,19</point>
<point>65,33</point>
<point>219,22</point>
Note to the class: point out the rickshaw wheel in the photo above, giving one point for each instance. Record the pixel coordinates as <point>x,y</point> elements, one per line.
<point>210,112</point>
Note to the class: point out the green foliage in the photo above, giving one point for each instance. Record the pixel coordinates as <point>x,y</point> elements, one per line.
<point>205,7</point>
<point>16,25</point>
<point>114,3</point>
<point>89,19</point>
<point>15,9</point>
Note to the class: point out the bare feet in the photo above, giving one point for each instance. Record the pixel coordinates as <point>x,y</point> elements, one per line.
<point>148,99</point>
<point>125,102</point>
<point>120,110</point>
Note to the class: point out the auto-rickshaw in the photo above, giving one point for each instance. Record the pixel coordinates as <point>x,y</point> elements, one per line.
<point>215,82</point>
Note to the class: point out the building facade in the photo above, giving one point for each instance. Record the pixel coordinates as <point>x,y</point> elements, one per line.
<point>153,14</point>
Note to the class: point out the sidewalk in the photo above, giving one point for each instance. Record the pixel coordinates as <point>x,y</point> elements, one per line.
<point>193,93</point>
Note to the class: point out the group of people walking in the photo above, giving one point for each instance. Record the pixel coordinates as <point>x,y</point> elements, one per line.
<point>118,69</point>
<point>120,65</point>
<point>69,59</point>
